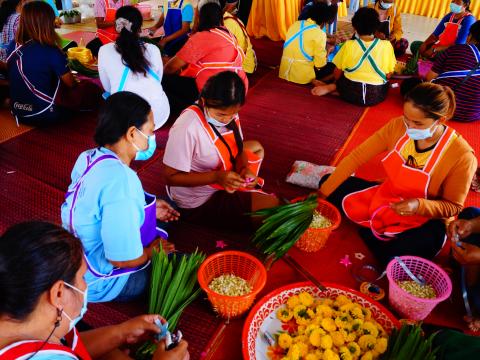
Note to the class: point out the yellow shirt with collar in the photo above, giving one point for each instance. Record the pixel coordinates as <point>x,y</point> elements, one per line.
<point>236,27</point>
<point>350,54</point>
<point>294,66</point>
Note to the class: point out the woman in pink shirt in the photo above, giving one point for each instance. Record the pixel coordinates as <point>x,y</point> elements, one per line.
<point>212,49</point>
<point>212,174</point>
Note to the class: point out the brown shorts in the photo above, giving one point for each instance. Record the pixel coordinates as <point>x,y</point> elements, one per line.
<point>223,210</point>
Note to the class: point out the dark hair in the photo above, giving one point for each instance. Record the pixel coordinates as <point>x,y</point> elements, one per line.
<point>467,4</point>
<point>7,8</point>
<point>33,256</point>
<point>436,101</point>
<point>223,90</point>
<point>128,43</point>
<point>366,21</point>
<point>408,85</point>
<point>322,13</point>
<point>121,111</point>
<point>210,17</point>
<point>475,31</point>
<point>37,23</point>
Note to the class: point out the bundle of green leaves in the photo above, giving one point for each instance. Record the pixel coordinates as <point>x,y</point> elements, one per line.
<point>409,343</point>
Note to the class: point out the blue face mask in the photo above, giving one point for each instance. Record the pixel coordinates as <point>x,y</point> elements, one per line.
<point>213,121</point>
<point>455,8</point>
<point>148,153</point>
<point>421,134</point>
<point>386,6</point>
<point>74,322</point>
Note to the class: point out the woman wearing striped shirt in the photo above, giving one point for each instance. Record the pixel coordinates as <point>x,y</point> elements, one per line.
<point>458,68</point>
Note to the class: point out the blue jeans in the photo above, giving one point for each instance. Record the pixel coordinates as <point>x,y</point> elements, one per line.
<point>136,286</point>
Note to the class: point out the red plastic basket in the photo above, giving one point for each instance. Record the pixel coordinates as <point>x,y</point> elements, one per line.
<point>239,264</point>
<point>315,239</point>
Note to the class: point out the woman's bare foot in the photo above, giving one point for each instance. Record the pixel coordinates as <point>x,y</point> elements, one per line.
<point>323,90</point>
<point>318,83</point>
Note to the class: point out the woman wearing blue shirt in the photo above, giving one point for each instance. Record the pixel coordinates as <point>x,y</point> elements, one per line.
<point>453,29</point>
<point>106,207</point>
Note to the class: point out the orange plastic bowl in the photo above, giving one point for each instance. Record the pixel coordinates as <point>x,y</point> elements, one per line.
<point>315,239</point>
<point>239,264</point>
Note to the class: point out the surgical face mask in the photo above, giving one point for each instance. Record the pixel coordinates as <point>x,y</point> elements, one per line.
<point>385,6</point>
<point>148,153</point>
<point>421,134</point>
<point>74,322</point>
<point>455,8</point>
<point>214,121</point>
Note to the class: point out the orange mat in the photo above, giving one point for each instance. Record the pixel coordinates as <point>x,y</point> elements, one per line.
<point>8,126</point>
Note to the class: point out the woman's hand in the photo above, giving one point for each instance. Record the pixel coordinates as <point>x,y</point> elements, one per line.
<point>460,229</point>
<point>138,328</point>
<point>163,42</point>
<point>466,254</point>
<point>229,180</point>
<point>251,180</point>
<point>406,207</point>
<point>180,352</point>
<point>156,244</point>
<point>165,212</point>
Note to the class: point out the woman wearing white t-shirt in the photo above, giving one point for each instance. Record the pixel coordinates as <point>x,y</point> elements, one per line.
<point>132,65</point>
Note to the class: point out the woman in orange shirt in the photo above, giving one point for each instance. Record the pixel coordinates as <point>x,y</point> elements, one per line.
<point>429,169</point>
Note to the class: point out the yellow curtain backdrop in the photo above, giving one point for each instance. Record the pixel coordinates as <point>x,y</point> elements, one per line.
<point>432,8</point>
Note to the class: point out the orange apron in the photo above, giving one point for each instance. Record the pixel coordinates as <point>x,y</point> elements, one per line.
<point>109,34</point>
<point>228,149</point>
<point>449,35</point>
<point>371,207</point>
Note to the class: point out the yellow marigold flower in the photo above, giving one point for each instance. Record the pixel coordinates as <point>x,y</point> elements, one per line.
<point>367,342</point>
<point>327,301</point>
<point>330,355</point>
<point>381,330</point>
<point>301,329</point>
<point>367,313</point>
<point>324,311</point>
<point>342,300</point>
<point>357,324</point>
<point>284,315</point>
<point>367,356</point>
<point>369,328</point>
<point>328,324</point>
<point>305,298</point>
<point>343,322</point>
<point>300,311</point>
<point>344,353</point>
<point>303,349</point>
<point>347,307</point>
<point>338,339</point>
<point>356,312</point>
<point>300,339</point>
<point>310,328</point>
<point>315,337</point>
<point>284,341</point>
<point>294,352</point>
<point>381,345</point>
<point>354,349</point>
<point>312,356</point>
<point>293,301</point>
<point>348,336</point>
<point>326,342</point>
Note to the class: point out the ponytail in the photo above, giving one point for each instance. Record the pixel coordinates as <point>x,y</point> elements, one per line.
<point>436,101</point>
<point>128,43</point>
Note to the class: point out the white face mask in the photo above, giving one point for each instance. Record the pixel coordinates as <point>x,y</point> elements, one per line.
<point>75,321</point>
<point>421,134</point>
<point>385,6</point>
<point>214,121</point>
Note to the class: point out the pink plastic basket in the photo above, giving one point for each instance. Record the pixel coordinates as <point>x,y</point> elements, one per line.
<point>424,67</point>
<point>410,306</point>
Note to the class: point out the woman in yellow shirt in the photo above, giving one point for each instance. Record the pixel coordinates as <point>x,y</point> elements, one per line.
<point>237,28</point>
<point>363,65</point>
<point>304,51</point>
<point>390,25</point>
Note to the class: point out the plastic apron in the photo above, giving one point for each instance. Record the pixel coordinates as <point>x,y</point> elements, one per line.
<point>148,231</point>
<point>193,70</point>
<point>227,148</point>
<point>109,34</point>
<point>462,73</point>
<point>74,348</point>
<point>298,35</point>
<point>45,99</point>
<point>371,207</point>
<point>449,35</point>
<point>173,23</point>
<point>123,80</point>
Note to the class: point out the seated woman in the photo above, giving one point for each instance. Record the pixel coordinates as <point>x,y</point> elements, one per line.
<point>105,19</point>
<point>465,236</point>
<point>363,65</point>
<point>42,88</point>
<point>130,64</point>
<point>9,20</point>
<point>458,68</point>
<point>44,295</point>
<point>212,49</point>
<point>304,51</point>
<point>452,29</point>
<point>106,207</point>
<point>211,172</point>
<point>176,20</point>
<point>390,25</point>
<point>238,29</point>
<point>65,44</point>
<point>429,168</point>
